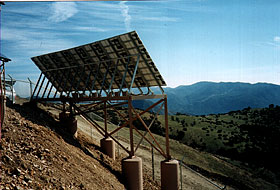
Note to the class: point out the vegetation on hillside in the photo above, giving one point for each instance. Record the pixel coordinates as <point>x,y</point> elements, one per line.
<point>250,136</point>
<point>246,138</point>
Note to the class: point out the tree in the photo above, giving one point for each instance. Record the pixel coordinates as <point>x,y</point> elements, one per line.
<point>180,135</point>
<point>182,122</point>
<point>271,106</point>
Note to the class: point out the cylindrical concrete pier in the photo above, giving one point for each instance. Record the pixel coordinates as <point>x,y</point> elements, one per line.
<point>69,123</point>
<point>108,147</point>
<point>169,171</point>
<point>72,126</point>
<point>63,116</point>
<point>132,172</point>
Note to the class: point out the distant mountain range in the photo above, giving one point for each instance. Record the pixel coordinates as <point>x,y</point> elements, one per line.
<point>204,98</point>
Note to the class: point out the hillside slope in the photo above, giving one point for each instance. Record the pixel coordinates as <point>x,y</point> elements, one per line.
<point>37,154</point>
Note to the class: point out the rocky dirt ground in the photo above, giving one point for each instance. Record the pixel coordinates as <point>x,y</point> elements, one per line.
<point>36,153</point>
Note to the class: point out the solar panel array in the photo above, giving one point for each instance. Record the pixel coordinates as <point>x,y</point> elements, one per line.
<point>108,63</point>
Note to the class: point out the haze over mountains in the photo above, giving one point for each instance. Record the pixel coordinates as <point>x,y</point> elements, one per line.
<point>204,98</point>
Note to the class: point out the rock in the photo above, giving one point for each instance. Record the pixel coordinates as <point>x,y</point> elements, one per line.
<point>32,172</point>
<point>27,178</point>
<point>18,187</point>
<point>24,183</point>
<point>23,165</point>
<point>7,159</point>
<point>16,171</point>
<point>47,150</point>
<point>82,186</point>
<point>65,158</point>
<point>62,187</point>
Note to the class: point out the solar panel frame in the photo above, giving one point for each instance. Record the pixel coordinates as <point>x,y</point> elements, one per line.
<point>101,65</point>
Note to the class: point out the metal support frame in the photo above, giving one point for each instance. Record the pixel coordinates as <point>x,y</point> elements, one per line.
<point>79,82</point>
<point>46,88</point>
<point>130,127</point>
<point>36,85</point>
<point>104,77</point>
<point>113,77</point>
<point>124,75</point>
<point>114,49</point>
<point>128,122</point>
<point>67,78</point>
<point>86,84</point>
<point>149,127</point>
<point>93,103</point>
<point>41,85</point>
<point>105,119</point>
<point>95,77</point>
<point>101,60</point>
<point>147,64</point>
<point>71,84</point>
<point>66,82</point>
<point>134,73</point>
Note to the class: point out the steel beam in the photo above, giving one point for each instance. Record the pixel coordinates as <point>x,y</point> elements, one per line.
<point>41,86</point>
<point>124,75</point>
<point>36,85</point>
<point>134,74</point>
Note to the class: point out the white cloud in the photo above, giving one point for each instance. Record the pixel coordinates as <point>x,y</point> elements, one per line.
<point>160,19</point>
<point>62,11</point>
<point>276,39</point>
<point>31,43</point>
<point>125,14</point>
<point>90,29</point>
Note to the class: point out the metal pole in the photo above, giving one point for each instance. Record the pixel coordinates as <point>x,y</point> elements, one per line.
<point>166,128</point>
<point>41,86</point>
<point>12,88</point>
<point>105,120</point>
<point>118,139</point>
<point>105,77</point>
<point>181,174</point>
<point>124,75</point>
<point>130,126</point>
<point>134,73</point>
<point>36,86</point>
<point>153,164</point>
<point>30,83</point>
<point>113,77</point>
<point>46,88</point>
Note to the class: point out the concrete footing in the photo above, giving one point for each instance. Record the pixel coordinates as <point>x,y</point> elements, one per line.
<point>70,123</point>
<point>169,171</point>
<point>63,116</point>
<point>132,172</point>
<point>108,147</point>
<point>72,126</point>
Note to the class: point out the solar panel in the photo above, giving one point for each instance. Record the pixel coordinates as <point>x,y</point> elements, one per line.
<point>113,63</point>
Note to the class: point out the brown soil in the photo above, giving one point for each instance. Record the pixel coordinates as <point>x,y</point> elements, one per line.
<point>36,153</point>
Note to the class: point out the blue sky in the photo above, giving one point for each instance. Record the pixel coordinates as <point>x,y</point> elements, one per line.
<point>189,40</point>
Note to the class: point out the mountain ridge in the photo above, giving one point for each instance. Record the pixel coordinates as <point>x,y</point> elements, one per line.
<point>205,97</point>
